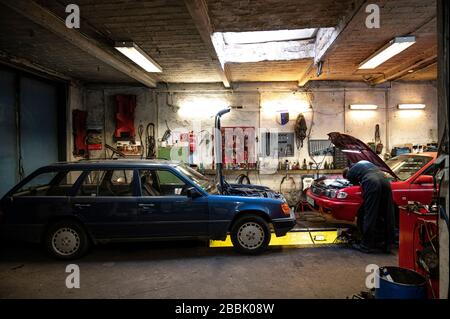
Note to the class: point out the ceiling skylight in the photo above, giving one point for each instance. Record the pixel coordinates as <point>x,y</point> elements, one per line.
<point>256,46</point>
<point>267,36</point>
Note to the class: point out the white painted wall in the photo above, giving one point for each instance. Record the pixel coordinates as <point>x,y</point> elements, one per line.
<point>259,102</point>
<point>413,126</point>
<point>330,110</point>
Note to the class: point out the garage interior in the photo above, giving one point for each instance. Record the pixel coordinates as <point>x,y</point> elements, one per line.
<point>293,67</point>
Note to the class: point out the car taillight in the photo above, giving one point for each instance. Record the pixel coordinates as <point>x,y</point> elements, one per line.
<point>285,208</point>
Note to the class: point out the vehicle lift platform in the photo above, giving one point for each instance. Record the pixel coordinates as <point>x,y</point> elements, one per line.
<point>312,229</point>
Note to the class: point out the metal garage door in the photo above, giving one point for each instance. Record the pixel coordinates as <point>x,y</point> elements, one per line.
<point>34,103</point>
<point>8,163</point>
<point>38,124</point>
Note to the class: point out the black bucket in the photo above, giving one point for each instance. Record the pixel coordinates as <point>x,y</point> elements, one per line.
<point>400,283</point>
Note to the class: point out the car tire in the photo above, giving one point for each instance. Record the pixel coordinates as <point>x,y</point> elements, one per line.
<point>66,240</point>
<point>250,235</point>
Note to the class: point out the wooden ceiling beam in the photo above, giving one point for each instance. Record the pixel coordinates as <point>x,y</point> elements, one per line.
<point>326,41</point>
<point>198,10</point>
<point>307,74</point>
<point>415,65</point>
<point>55,24</point>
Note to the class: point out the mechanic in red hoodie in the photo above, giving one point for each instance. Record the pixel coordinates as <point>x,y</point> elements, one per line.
<point>378,226</point>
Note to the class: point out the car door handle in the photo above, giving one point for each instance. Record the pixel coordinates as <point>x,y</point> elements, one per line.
<point>82,205</point>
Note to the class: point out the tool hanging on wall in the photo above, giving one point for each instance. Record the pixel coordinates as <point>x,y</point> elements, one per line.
<point>114,152</point>
<point>125,108</point>
<point>140,133</point>
<point>167,133</point>
<point>378,144</point>
<point>300,129</point>
<point>79,119</point>
<point>150,141</point>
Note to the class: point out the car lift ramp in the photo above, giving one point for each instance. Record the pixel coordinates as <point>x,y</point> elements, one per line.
<point>296,237</point>
<point>311,230</point>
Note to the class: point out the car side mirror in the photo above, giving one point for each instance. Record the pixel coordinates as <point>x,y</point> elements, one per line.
<point>192,192</point>
<point>424,179</point>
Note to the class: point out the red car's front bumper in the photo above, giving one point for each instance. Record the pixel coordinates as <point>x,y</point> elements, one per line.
<point>339,208</point>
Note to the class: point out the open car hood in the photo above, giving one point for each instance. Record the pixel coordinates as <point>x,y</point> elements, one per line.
<point>356,151</point>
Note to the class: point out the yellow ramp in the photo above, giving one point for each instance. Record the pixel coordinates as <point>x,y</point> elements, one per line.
<point>294,238</point>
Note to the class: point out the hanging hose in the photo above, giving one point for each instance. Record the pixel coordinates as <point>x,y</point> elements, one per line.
<point>240,179</point>
<point>150,141</point>
<point>378,144</point>
<point>167,133</point>
<point>140,133</point>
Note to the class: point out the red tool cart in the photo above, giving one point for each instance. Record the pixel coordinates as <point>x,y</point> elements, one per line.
<point>419,243</point>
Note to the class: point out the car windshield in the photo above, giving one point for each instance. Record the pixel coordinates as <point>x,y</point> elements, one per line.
<point>204,182</point>
<point>405,166</point>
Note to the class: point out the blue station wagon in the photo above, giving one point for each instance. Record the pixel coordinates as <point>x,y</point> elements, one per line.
<point>70,206</point>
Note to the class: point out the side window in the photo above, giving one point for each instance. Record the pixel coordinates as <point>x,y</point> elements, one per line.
<point>430,170</point>
<point>37,186</point>
<point>63,183</point>
<point>161,183</point>
<point>107,183</point>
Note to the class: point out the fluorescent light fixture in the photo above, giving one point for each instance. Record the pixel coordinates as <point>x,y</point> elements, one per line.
<point>137,55</point>
<point>411,106</point>
<point>394,47</point>
<point>363,107</point>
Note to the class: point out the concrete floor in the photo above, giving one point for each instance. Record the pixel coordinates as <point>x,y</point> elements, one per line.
<point>188,270</point>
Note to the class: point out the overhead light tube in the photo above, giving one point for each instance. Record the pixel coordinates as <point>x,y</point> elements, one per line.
<point>137,55</point>
<point>392,48</point>
<point>411,106</point>
<point>363,107</point>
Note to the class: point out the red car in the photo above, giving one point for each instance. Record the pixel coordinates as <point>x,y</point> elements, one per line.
<point>410,175</point>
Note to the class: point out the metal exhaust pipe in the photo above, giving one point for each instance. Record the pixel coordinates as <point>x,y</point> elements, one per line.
<point>218,149</point>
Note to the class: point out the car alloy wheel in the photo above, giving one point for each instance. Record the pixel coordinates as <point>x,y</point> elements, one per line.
<point>251,235</point>
<point>66,241</point>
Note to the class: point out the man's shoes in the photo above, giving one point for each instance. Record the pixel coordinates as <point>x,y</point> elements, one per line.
<point>362,248</point>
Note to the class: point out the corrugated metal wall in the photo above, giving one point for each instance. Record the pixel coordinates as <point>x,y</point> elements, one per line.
<point>8,151</point>
<point>29,111</point>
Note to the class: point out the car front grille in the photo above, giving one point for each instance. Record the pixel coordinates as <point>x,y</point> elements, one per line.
<point>323,191</point>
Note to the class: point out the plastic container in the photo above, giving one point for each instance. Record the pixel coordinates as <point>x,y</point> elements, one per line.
<point>400,283</point>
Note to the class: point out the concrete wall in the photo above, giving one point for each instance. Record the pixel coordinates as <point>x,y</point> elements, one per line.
<point>75,102</point>
<point>417,126</point>
<point>191,107</point>
<point>99,102</point>
<point>329,110</point>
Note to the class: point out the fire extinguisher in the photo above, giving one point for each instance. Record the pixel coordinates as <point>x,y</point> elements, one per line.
<point>191,142</point>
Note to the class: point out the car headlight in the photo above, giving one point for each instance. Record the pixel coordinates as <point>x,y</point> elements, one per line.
<point>342,195</point>
<point>331,193</point>
<point>285,209</point>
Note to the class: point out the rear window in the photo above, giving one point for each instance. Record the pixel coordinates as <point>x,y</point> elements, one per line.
<point>50,184</point>
<point>107,183</point>
<point>405,166</point>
